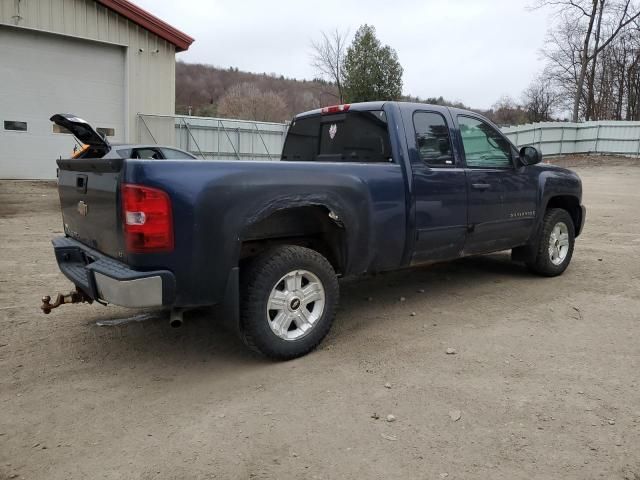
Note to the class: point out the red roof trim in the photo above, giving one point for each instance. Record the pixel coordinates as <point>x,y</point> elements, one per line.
<point>181,40</point>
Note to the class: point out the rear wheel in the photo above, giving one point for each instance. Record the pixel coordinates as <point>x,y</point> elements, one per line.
<point>288,303</point>
<point>555,243</point>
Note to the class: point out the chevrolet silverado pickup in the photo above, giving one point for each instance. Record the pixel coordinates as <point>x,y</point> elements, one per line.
<point>359,188</point>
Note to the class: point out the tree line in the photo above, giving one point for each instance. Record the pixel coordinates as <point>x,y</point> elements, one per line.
<point>208,91</point>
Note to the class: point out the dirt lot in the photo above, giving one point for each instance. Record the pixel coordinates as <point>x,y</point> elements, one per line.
<point>546,376</point>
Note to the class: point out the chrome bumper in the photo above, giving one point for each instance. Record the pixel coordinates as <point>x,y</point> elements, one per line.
<point>103,278</point>
<point>141,292</point>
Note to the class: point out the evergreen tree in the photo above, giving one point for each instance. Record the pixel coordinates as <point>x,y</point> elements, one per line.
<point>371,71</point>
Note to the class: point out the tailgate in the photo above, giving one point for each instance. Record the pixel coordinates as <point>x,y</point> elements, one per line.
<point>89,199</point>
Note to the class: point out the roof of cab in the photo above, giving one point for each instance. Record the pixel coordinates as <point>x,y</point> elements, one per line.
<point>364,106</point>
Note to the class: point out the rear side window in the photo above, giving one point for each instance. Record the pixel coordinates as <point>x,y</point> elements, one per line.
<point>146,154</point>
<point>345,137</point>
<point>173,154</point>
<point>484,147</point>
<point>301,143</point>
<point>432,139</point>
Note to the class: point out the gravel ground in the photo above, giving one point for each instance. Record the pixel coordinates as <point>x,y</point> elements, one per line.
<point>544,381</point>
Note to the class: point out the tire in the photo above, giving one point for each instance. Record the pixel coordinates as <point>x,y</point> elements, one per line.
<point>302,287</point>
<point>551,259</point>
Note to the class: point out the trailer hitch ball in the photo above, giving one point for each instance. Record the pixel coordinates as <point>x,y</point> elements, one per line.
<point>46,304</point>
<point>71,297</point>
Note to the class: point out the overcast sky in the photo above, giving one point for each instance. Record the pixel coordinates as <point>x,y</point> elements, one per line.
<point>468,50</point>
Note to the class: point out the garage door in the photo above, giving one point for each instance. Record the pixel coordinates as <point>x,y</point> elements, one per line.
<point>42,74</point>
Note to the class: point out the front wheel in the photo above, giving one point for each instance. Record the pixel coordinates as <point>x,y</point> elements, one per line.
<point>288,301</point>
<point>554,247</point>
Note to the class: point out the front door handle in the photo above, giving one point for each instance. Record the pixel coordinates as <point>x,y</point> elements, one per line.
<point>481,186</point>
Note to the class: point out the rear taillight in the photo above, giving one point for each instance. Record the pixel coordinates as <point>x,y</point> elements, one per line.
<point>148,223</point>
<point>335,109</point>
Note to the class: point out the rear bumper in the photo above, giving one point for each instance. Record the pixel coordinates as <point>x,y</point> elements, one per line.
<point>103,278</point>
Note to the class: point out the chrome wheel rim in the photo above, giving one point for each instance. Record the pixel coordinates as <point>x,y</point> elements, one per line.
<point>559,243</point>
<point>295,304</point>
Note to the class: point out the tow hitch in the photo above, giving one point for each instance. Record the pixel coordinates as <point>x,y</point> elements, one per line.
<point>75,296</point>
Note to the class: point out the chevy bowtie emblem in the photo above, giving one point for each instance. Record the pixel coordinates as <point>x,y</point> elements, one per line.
<point>83,208</point>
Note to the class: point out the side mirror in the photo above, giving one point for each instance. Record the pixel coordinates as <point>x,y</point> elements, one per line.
<point>530,155</point>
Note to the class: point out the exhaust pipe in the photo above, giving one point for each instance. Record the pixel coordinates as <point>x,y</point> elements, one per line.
<point>176,318</point>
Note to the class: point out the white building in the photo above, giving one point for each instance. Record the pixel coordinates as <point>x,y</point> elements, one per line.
<point>103,60</point>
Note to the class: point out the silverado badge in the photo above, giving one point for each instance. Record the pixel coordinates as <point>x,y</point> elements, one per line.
<point>83,208</point>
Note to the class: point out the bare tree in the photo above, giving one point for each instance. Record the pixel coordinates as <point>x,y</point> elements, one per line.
<point>540,99</point>
<point>247,102</point>
<point>632,82</point>
<point>599,22</point>
<point>562,51</point>
<point>506,111</point>
<point>327,57</point>
<point>594,60</point>
<point>615,78</point>
<point>202,87</point>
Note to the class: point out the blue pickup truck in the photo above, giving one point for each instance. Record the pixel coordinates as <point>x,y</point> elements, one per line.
<point>360,188</point>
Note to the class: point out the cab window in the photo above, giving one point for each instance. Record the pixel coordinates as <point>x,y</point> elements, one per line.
<point>432,139</point>
<point>146,153</point>
<point>484,147</point>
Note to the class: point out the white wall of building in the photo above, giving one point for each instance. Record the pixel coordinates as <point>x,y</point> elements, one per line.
<point>37,72</point>
<point>70,30</point>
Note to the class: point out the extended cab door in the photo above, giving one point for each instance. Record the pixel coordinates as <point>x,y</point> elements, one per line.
<point>501,193</point>
<point>439,188</point>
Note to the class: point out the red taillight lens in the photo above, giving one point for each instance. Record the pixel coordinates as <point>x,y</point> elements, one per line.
<point>336,109</point>
<point>148,223</point>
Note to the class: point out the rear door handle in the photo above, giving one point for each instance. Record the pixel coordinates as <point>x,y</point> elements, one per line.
<point>481,186</point>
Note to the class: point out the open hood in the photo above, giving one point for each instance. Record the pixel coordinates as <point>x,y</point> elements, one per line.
<point>80,129</point>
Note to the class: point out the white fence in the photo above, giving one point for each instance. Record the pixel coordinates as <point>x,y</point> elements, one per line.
<point>226,139</point>
<point>558,138</point>
<point>215,138</point>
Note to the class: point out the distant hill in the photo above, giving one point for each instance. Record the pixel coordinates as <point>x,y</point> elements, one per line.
<point>204,88</point>
<point>210,91</point>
